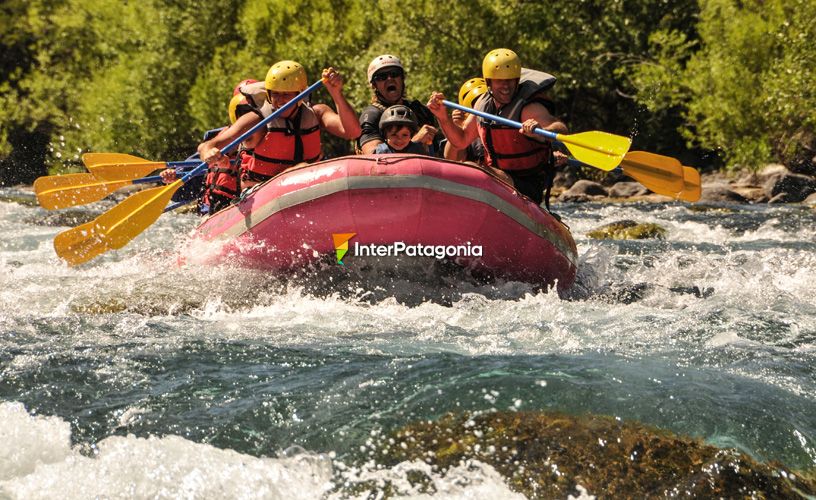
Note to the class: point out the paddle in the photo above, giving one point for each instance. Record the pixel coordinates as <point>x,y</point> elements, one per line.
<point>692,189</point>
<point>116,227</point>
<point>598,149</point>
<point>93,159</point>
<point>62,191</point>
<point>134,170</point>
<point>661,174</point>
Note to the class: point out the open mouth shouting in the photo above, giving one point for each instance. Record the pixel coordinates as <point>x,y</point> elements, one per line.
<point>390,86</point>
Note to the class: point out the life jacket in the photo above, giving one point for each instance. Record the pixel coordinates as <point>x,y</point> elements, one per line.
<point>288,141</point>
<point>223,180</point>
<point>505,147</point>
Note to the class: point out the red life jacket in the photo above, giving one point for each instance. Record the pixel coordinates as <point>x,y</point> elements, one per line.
<point>222,181</point>
<point>505,147</point>
<point>287,142</point>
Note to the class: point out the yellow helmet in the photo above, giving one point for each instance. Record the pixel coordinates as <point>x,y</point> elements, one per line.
<point>471,90</point>
<point>502,64</point>
<point>286,76</point>
<point>239,99</point>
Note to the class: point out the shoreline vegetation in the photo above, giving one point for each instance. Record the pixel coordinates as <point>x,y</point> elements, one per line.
<point>722,85</point>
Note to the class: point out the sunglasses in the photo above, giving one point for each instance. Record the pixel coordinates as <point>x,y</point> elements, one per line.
<point>385,75</point>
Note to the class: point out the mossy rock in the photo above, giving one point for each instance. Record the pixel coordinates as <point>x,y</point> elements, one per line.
<point>548,455</point>
<point>144,300</point>
<point>20,199</point>
<point>628,230</point>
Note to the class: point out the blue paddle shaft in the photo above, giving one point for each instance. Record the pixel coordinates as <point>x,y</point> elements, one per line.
<point>499,119</point>
<point>185,163</point>
<point>172,164</point>
<point>229,147</point>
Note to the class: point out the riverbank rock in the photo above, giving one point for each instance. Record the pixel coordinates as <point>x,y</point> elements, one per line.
<point>796,187</point>
<point>810,200</point>
<point>628,230</point>
<point>627,190</point>
<point>583,190</point>
<point>721,193</point>
<point>565,178</point>
<point>552,455</point>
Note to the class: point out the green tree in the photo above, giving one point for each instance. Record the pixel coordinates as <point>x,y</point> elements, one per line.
<point>745,90</point>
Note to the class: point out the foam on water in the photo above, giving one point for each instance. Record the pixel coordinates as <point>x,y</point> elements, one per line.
<point>37,461</point>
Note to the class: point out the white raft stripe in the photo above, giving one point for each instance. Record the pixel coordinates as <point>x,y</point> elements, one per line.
<point>311,193</point>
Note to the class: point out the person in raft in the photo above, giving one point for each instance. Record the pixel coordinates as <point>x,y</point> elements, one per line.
<point>526,157</point>
<point>292,138</point>
<point>469,93</point>
<point>398,125</point>
<point>386,76</point>
<point>220,184</point>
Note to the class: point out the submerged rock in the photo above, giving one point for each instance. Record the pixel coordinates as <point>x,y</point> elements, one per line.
<point>68,217</point>
<point>552,455</point>
<point>710,208</point>
<point>628,230</point>
<point>26,199</point>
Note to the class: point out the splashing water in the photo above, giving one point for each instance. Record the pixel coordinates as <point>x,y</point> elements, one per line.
<point>209,378</point>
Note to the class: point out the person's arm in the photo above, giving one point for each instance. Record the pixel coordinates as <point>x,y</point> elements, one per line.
<point>370,136</point>
<point>536,115</point>
<point>450,152</point>
<point>210,151</point>
<point>342,123</point>
<point>458,137</point>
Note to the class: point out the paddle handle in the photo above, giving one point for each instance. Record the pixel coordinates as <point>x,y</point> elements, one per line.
<point>499,119</point>
<point>229,147</point>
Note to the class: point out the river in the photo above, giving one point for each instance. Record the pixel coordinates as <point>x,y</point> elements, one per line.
<point>132,376</point>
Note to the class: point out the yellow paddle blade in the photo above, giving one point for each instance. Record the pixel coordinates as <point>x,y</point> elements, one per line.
<point>116,227</point>
<point>598,149</point>
<point>692,188</point>
<point>79,244</point>
<point>661,174</point>
<point>62,191</point>
<point>124,171</point>
<point>91,159</point>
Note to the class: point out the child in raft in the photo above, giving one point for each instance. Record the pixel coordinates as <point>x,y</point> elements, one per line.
<point>397,126</point>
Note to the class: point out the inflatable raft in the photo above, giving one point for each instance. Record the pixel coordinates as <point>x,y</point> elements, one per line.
<point>383,206</point>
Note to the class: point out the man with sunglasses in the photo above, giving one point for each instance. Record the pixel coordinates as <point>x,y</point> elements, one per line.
<point>387,78</point>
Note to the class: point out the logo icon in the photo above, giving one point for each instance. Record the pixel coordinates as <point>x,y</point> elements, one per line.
<point>341,244</point>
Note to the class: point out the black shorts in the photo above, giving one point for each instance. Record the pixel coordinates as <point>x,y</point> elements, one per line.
<point>530,184</point>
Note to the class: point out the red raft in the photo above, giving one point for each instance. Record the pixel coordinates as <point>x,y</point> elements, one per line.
<point>408,206</point>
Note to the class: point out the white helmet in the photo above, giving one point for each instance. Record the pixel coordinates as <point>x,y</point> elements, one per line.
<point>383,61</point>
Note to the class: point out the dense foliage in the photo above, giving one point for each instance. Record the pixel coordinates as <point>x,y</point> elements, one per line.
<point>684,78</point>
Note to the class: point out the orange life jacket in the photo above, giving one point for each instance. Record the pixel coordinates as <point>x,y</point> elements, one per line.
<point>288,141</point>
<point>505,147</point>
<point>222,180</point>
